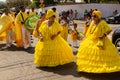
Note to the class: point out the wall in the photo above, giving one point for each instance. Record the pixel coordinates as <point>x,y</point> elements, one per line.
<point>106,9</point>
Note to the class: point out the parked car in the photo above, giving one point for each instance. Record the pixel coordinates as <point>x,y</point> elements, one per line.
<point>113,19</point>
<point>116,38</point>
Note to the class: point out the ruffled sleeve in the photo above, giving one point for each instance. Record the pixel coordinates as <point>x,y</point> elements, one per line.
<point>106,27</point>
<point>58,27</point>
<point>43,27</point>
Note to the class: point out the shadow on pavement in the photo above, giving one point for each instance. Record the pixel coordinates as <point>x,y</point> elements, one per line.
<point>66,69</point>
<point>101,76</point>
<point>70,69</point>
<point>14,48</point>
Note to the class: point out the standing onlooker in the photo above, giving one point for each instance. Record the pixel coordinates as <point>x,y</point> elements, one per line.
<point>22,33</point>
<point>28,13</point>
<point>87,23</point>
<point>7,23</point>
<point>68,13</point>
<point>71,13</point>
<point>115,12</point>
<point>64,23</point>
<point>91,10</point>
<point>32,12</point>
<point>76,14</point>
<point>85,12</point>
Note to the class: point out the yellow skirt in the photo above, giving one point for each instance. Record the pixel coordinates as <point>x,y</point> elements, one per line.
<point>53,53</point>
<point>92,59</point>
<point>3,36</point>
<point>64,33</point>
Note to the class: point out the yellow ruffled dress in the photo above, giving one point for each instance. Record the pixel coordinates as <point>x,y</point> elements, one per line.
<point>64,33</point>
<point>97,56</point>
<point>52,52</point>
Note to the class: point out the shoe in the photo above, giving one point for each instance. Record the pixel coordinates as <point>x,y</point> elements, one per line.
<point>25,47</point>
<point>76,46</point>
<point>7,46</point>
<point>30,45</point>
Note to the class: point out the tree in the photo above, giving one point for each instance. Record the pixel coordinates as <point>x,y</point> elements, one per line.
<point>17,3</point>
<point>118,1</point>
<point>2,5</point>
<point>36,3</point>
<point>46,2</point>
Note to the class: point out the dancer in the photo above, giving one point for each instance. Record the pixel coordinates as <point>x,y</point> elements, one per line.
<point>96,53</point>
<point>47,51</point>
<point>74,35</point>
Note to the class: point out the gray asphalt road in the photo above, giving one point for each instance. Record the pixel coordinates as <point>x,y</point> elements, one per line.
<point>17,64</point>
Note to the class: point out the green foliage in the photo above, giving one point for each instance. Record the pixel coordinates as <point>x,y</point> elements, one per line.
<point>2,5</point>
<point>18,3</point>
<point>37,3</point>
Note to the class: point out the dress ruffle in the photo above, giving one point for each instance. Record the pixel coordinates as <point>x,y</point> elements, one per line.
<point>52,52</point>
<point>64,33</point>
<point>92,58</point>
<point>49,54</point>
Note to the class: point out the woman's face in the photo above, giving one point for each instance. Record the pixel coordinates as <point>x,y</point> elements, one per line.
<point>95,17</point>
<point>52,18</point>
<point>23,9</point>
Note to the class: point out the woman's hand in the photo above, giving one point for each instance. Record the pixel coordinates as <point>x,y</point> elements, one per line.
<point>53,36</point>
<point>35,34</point>
<point>41,39</point>
<point>101,37</point>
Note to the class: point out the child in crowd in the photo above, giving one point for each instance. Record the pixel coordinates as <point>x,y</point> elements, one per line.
<point>75,35</point>
<point>87,23</point>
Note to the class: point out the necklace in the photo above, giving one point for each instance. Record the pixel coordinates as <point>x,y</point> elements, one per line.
<point>95,24</point>
<point>93,28</point>
<point>50,23</point>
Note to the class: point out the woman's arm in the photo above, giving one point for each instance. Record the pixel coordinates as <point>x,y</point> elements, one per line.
<point>105,34</point>
<point>53,36</point>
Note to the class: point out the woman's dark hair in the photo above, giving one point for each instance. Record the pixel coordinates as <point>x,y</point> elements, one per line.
<point>54,9</point>
<point>75,24</point>
<point>22,7</point>
<point>88,14</point>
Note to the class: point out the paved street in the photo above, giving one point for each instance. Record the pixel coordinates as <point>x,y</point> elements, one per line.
<point>17,64</point>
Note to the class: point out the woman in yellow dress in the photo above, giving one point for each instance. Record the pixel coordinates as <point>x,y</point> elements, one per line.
<point>101,55</point>
<point>64,23</point>
<point>51,49</point>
